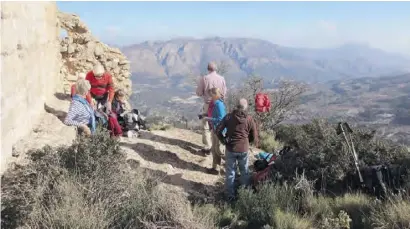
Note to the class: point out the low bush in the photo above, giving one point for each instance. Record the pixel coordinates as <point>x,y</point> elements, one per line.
<point>268,143</point>
<point>88,185</point>
<point>324,157</point>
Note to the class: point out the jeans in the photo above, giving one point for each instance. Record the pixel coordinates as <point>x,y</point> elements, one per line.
<point>230,166</point>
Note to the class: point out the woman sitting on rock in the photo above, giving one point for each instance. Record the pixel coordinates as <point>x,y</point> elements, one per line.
<point>218,112</point>
<point>73,90</point>
<point>130,119</point>
<point>120,106</point>
<point>80,113</point>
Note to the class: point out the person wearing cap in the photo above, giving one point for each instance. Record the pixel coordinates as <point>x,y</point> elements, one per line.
<point>102,86</point>
<point>102,91</point>
<point>73,89</point>
<point>205,83</point>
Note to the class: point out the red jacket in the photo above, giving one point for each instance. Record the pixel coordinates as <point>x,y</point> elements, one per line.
<point>101,86</point>
<point>88,96</point>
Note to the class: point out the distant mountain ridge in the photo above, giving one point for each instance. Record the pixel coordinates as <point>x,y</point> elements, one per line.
<point>182,57</point>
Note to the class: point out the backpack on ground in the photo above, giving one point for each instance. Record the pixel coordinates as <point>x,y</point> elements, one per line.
<point>262,102</point>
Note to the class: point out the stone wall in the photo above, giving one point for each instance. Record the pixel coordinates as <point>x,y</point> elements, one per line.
<point>30,66</point>
<point>81,50</point>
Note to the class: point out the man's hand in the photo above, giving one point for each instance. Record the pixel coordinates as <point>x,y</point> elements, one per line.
<point>86,130</point>
<point>108,106</point>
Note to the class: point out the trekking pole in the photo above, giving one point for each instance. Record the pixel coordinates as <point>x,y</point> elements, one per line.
<point>351,149</point>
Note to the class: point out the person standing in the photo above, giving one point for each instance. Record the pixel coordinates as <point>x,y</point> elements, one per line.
<point>240,131</point>
<point>205,83</point>
<point>217,114</point>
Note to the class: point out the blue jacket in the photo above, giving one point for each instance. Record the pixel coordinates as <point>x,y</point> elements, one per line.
<point>218,113</point>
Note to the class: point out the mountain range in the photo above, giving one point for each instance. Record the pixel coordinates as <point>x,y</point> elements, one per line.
<point>177,59</point>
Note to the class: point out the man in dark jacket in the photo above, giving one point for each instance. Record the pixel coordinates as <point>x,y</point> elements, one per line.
<point>241,130</point>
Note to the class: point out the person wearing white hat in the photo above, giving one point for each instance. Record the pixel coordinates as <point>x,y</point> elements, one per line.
<point>102,86</point>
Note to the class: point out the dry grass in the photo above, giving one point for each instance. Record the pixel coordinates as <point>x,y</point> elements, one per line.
<point>289,220</point>
<point>394,214</point>
<point>87,185</point>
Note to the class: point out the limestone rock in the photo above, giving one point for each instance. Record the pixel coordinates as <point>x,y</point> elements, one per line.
<point>71,49</point>
<point>82,50</point>
<point>63,49</point>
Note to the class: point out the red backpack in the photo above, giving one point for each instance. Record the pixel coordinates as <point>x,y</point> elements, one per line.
<point>262,102</point>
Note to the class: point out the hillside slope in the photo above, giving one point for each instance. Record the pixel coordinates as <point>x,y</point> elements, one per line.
<point>173,155</point>
<point>183,57</point>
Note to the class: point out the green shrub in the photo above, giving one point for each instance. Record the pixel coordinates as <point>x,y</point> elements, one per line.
<point>341,221</point>
<point>88,185</point>
<point>357,206</point>
<point>260,208</point>
<point>268,143</point>
<point>324,156</point>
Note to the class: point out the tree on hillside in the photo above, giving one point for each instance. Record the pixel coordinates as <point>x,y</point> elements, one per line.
<point>284,99</point>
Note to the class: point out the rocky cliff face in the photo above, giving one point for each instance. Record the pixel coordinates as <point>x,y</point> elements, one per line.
<point>81,50</point>
<point>30,66</point>
<point>37,66</point>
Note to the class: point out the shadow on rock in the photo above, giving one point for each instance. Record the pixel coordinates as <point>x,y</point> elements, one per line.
<point>59,114</point>
<point>149,153</point>
<point>188,146</point>
<point>197,192</point>
<point>62,96</point>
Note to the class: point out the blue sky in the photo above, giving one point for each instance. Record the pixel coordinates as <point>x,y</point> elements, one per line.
<point>384,25</point>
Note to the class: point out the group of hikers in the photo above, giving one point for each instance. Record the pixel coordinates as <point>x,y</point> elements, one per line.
<point>235,130</point>
<point>95,101</point>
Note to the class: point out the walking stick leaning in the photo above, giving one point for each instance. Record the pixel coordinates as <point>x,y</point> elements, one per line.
<point>341,128</point>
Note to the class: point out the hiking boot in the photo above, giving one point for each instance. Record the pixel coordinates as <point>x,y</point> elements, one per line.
<point>212,171</point>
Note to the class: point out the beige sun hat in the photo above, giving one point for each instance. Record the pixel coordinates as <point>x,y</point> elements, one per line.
<point>98,70</point>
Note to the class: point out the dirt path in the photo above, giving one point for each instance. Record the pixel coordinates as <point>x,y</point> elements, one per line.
<point>173,155</point>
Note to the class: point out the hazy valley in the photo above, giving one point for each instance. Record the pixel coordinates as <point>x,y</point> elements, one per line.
<point>352,82</point>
